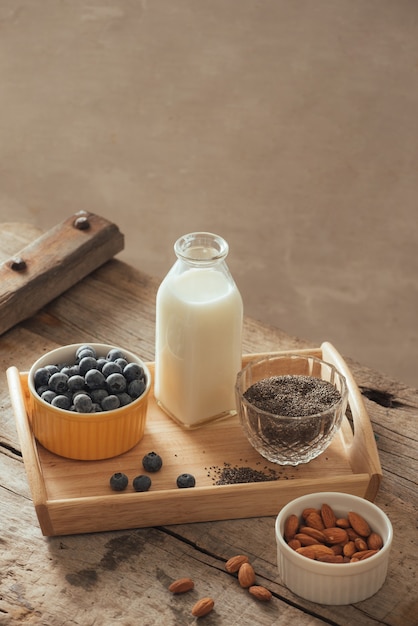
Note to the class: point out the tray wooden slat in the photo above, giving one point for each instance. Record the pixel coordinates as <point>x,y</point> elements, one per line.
<point>73,497</point>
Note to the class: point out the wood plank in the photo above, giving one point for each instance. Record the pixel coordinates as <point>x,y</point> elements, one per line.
<point>55,261</point>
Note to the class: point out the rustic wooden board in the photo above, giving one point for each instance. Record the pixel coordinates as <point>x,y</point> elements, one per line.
<point>55,261</point>
<point>73,497</point>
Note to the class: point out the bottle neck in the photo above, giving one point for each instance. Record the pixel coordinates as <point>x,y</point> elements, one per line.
<point>201,249</point>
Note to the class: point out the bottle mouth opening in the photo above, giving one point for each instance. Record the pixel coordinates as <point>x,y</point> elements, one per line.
<point>201,248</point>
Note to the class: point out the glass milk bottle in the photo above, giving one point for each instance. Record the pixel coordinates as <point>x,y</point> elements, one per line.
<point>199,316</point>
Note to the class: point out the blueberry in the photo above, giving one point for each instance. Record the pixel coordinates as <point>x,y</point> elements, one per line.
<point>40,390</point>
<point>58,382</point>
<point>61,402</point>
<point>100,362</point>
<point>97,395</point>
<point>133,371</point>
<point>110,403</point>
<point>83,403</point>
<point>96,408</point>
<point>152,462</point>
<point>86,364</point>
<point>118,481</point>
<point>185,480</point>
<point>85,350</point>
<point>141,483</point>
<point>76,383</point>
<point>48,395</point>
<point>116,383</point>
<point>52,369</point>
<point>110,367</point>
<point>41,377</point>
<point>124,398</point>
<point>136,388</point>
<point>122,362</point>
<point>114,354</point>
<point>94,379</point>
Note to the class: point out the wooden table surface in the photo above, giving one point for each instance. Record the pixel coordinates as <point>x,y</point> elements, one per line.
<point>121,577</point>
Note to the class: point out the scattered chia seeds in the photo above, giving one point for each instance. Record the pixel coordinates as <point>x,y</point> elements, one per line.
<point>234,475</point>
<point>292,396</point>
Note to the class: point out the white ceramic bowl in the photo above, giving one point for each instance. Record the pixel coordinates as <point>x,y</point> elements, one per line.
<point>334,583</point>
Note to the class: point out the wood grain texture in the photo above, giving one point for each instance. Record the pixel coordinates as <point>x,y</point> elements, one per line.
<point>121,577</point>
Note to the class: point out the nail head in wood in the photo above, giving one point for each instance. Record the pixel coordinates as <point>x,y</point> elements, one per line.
<point>82,223</point>
<point>17,264</point>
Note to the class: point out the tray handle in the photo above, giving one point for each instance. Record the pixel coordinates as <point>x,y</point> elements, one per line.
<point>362,450</point>
<point>26,438</point>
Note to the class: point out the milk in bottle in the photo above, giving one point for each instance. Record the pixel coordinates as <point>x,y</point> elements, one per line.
<point>199,315</point>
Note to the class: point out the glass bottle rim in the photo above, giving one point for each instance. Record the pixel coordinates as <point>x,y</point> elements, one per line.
<point>201,248</point>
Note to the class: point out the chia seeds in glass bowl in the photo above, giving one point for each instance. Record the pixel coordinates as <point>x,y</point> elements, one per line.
<point>290,406</point>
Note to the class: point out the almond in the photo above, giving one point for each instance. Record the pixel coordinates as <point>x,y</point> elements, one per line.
<point>360,544</point>
<point>234,563</point>
<point>313,532</point>
<point>308,511</point>
<point>365,554</point>
<point>321,550</point>
<point>203,607</point>
<point>352,535</point>
<point>349,549</point>
<point>374,541</point>
<point>342,522</point>
<point>307,551</point>
<point>261,593</point>
<point>294,544</point>
<point>359,524</point>
<point>291,526</point>
<point>328,516</point>
<point>305,540</point>
<point>181,585</point>
<point>331,558</point>
<point>314,520</point>
<point>246,575</point>
<point>335,535</point>
<point>337,548</point>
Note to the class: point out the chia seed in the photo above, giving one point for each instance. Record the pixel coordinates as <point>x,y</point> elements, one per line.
<point>292,396</point>
<point>299,414</point>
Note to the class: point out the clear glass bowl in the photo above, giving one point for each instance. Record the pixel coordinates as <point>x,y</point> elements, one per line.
<point>284,439</point>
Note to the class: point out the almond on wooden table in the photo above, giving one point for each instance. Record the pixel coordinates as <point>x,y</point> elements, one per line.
<point>260,592</point>
<point>234,563</point>
<point>181,585</point>
<point>203,607</point>
<point>246,575</point>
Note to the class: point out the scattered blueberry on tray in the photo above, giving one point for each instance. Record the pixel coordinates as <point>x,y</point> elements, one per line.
<point>152,462</point>
<point>119,481</point>
<point>141,483</point>
<point>91,383</point>
<point>185,481</point>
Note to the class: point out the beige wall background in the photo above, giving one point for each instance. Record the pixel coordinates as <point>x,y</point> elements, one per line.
<point>290,128</point>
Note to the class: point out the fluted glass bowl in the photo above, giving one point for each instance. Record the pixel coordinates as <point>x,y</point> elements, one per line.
<point>297,432</point>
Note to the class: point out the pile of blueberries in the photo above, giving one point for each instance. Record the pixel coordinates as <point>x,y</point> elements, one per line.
<point>91,383</point>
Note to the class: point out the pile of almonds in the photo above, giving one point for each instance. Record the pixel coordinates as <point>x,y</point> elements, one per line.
<point>323,536</point>
<point>239,565</point>
<point>246,577</point>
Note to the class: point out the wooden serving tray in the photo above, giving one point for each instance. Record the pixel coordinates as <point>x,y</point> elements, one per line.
<point>73,497</point>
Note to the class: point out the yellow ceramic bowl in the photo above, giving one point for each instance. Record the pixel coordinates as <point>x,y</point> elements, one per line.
<point>86,436</point>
